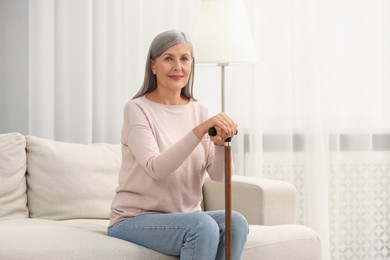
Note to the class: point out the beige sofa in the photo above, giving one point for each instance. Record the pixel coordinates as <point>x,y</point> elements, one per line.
<point>55,200</point>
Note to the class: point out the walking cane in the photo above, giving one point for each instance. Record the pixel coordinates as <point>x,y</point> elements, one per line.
<point>228,194</point>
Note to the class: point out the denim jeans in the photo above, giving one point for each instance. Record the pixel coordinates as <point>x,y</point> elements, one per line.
<point>193,236</point>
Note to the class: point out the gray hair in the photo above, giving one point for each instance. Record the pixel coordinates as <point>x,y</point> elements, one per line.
<point>159,45</point>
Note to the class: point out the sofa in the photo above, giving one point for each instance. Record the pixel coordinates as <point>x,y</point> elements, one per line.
<point>55,200</point>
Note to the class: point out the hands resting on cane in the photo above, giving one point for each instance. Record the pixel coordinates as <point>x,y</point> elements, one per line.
<point>225,128</point>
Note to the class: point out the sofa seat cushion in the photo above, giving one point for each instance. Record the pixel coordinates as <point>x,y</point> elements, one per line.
<point>13,198</point>
<point>70,180</point>
<point>292,242</point>
<point>85,239</point>
<point>33,239</point>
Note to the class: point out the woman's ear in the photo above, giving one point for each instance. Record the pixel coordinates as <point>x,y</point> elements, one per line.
<point>153,67</point>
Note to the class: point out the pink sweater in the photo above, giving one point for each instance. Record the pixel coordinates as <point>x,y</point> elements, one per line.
<point>163,162</point>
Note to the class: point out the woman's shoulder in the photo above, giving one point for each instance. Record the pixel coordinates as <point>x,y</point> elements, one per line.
<point>133,105</point>
<point>135,102</point>
<point>138,100</point>
<point>198,104</point>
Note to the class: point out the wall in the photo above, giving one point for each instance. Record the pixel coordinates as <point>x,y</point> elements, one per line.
<point>14,66</point>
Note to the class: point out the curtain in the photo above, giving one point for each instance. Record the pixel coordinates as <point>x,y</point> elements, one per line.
<point>313,110</point>
<point>320,117</point>
<point>87,59</point>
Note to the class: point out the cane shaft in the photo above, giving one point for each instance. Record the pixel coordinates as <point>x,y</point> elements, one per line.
<point>228,202</point>
<point>228,194</point>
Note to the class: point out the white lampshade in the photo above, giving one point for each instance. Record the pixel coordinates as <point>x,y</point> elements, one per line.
<point>222,33</point>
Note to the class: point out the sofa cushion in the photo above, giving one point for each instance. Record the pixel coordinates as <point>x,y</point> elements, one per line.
<point>292,242</point>
<point>69,180</point>
<point>32,239</point>
<point>13,198</point>
<point>26,239</point>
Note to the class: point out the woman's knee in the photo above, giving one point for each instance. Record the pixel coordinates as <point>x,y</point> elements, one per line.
<point>204,222</point>
<point>204,226</point>
<point>239,223</point>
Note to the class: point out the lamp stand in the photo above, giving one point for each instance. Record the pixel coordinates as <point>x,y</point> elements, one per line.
<point>223,65</point>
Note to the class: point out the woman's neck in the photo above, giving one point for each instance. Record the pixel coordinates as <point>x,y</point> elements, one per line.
<point>167,99</point>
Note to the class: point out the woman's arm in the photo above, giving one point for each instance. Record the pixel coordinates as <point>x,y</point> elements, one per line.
<point>141,141</point>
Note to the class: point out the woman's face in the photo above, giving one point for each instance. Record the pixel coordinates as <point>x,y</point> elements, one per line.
<point>173,67</point>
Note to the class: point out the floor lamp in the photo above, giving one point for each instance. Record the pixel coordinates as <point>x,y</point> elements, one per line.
<point>222,36</point>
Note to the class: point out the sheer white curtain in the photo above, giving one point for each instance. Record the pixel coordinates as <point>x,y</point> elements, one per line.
<point>314,110</point>
<point>87,59</point>
<point>320,117</point>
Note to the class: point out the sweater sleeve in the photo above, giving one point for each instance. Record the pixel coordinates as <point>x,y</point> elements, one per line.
<point>138,136</point>
<point>216,165</point>
<point>216,161</point>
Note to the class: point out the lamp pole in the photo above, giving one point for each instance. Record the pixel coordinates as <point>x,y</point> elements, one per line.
<point>223,65</point>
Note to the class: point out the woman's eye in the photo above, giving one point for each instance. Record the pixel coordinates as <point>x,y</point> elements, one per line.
<point>168,58</point>
<point>186,59</point>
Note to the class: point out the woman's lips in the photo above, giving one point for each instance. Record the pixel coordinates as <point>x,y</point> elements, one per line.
<point>175,77</point>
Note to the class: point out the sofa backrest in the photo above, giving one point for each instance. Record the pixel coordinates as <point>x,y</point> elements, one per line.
<point>13,199</point>
<point>69,180</point>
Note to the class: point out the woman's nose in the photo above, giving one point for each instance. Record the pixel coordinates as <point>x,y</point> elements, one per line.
<point>177,65</point>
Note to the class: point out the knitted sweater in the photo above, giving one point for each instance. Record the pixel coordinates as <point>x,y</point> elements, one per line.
<point>163,163</point>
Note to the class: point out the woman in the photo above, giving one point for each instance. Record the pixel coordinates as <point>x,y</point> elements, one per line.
<point>165,155</point>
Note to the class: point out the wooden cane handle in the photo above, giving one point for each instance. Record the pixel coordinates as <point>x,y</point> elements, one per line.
<point>213,132</point>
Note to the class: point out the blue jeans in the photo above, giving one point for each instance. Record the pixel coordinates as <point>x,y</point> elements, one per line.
<point>193,236</point>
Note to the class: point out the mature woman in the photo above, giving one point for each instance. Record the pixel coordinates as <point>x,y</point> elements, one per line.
<point>166,153</point>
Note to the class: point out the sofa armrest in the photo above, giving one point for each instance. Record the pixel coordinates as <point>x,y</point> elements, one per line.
<point>261,201</point>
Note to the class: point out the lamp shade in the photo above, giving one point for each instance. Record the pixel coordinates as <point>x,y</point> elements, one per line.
<point>222,33</point>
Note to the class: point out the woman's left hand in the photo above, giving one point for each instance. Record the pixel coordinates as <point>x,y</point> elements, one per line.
<point>224,125</point>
